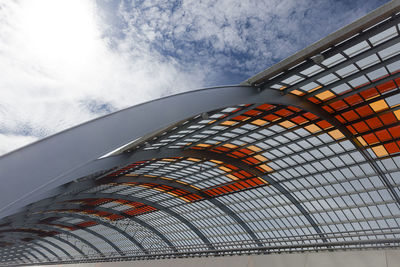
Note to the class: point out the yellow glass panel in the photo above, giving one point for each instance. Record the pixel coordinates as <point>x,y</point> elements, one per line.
<point>297,92</point>
<point>230,146</point>
<point>380,151</point>
<point>266,168</point>
<point>362,141</point>
<point>283,87</point>
<point>325,95</point>
<point>254,148</point>
<point>336,134</point>
<point>260,158</point>
<point>397,113</point>
<point>168,159</point>
<point>203,145</point>
<point>216,161</point>
<point>224,169</point>
<point>193,159</point>
<point>312,128</point>
<point>259,122</point>
<point>210,122</point>
<point>379,105</point>
<point>287,124</point>
<point>233,177</point>
<point>228,123</point>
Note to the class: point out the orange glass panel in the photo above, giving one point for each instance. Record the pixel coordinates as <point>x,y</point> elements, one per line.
<point>362,141</point>
<point>374,123</point>
<point>310,116</point>
<point>392,148</point>
<point>395,131</point>
<point>339,105</point>
<point>364,111</point>
<point>252,112</point>
<point>265,107</point>
<point>324,124</point>
<point>383,135</point>
<point>370,139</point>
<point>299,120</point>
<point>284,112</point>
<point>240,118</point>
<point>271,117</point>
<point>361,127</point>
<point>390,85</point>
<point>350,115</point>
<point>369,93</point>
<point>353,100</point>
<point>388,118</point>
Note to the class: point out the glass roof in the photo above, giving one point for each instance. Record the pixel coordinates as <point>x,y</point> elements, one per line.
<point>249,178</point>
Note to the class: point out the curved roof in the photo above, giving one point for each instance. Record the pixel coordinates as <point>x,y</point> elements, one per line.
<point>304,157</point>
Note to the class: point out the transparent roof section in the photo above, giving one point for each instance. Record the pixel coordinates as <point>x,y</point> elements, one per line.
<point>250,178</point>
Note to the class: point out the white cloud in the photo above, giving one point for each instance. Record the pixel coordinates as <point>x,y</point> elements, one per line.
<point>65,62</point>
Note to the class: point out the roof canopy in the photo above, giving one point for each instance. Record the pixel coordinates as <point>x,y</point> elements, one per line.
<point>303,156</point>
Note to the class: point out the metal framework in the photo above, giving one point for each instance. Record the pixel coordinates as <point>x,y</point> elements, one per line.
<point>301,157</point>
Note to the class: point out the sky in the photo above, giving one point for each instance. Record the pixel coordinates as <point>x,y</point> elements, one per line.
<point>64,62</point>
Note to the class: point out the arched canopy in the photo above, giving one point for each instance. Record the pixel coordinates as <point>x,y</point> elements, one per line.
<point>303,156</point>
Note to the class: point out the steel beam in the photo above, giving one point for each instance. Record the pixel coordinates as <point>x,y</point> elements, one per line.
<point>128,198</point>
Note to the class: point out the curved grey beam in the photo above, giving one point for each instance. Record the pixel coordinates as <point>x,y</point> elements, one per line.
<point>46,227</point>
<point>78,206</point>
<point>174,184</point>
<point>49,242</point>
<point>82,145</point>
<point>47,203</point>
<point>31,246</point>
<point>98,221</point>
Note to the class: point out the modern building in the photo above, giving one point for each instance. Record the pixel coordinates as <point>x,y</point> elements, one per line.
<point>301,158</point>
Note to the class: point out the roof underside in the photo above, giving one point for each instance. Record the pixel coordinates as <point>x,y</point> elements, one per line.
<point>317,171</point>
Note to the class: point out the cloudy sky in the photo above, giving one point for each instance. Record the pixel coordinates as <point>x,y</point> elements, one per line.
<point>65,62</point>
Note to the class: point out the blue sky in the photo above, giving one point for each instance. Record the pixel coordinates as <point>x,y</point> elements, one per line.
<point>65,62</point>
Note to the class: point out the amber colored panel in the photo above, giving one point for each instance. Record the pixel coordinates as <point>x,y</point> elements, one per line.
<point>260,158</point>
<point>369,93</point>
<point>353,99</point>
<point>380,151</point>
<point>397,114</point>
<point>284,112</point>
<point>325,95</point>
<point>324,124</point>
<point>265,107</point>
<point>336,134</point>
<point>350,115</point>
<point>328,108</point>
<point>390,85</point>
<point>287,124</point>
<point>379,105</point>
<point>299,120</point>
<point>339,105</point>
<point>240,118</point>
<point>228,123</point>
<point>310,116</point>
<point>259,122</point>
<point>254,148</point>
<point>228,145</point>
<point>297,92</point>
<point>271,117</point>
<point>364,111</point>
<point>252,112</point>
<point>388,118</point>
<point>265,167</point>
<point>314,100</point>
<point>374,123</point>
<point>395,131</point>
<point>362,141</point>
<point>361,127</point>
<point>312,128</point>
<point>370,139</point>
<point>392,148</point>
<point>233,177</point>
<point>383,135</point>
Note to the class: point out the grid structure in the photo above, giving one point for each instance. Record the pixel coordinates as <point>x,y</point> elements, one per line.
<point>320,174</point>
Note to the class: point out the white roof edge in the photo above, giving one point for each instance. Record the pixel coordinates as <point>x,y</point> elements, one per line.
<point>338,36</point>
